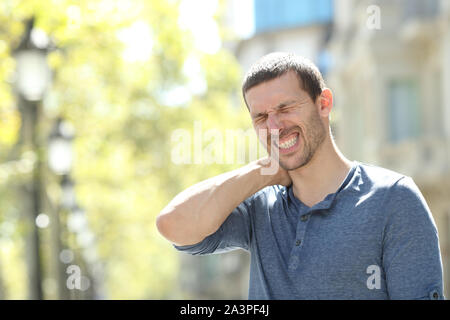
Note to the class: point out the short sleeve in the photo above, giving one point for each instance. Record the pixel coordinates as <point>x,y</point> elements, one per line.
<point>411,255</point>
<point>234,233</point>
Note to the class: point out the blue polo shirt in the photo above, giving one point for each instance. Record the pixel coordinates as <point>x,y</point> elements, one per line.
<point>374,238</point>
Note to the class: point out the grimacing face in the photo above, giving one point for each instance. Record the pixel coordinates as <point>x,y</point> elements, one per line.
<point>282,105</point>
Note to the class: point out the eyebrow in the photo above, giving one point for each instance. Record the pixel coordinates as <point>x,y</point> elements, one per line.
<point>281,105</point>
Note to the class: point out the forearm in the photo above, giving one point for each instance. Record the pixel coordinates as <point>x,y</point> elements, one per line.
<point>200,210</point>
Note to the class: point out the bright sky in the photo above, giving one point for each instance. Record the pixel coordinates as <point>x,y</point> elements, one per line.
<point>243,17</point>
<point>197,17</point>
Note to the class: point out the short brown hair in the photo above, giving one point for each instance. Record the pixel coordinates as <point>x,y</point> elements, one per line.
<point>276,64</point>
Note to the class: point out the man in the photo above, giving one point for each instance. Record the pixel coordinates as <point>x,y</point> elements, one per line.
<point>321,226</point>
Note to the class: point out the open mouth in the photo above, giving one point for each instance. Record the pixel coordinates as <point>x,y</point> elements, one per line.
<point>288,143</point>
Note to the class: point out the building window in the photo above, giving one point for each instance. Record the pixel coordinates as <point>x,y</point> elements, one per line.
<point>420,9</point>
<point>404,110</point>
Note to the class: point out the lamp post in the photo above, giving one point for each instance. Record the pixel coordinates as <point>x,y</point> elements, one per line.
<point>33,77</point>
<point>60,159</point>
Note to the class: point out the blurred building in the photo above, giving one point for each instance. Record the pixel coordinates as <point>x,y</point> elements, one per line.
<point>392,103</point>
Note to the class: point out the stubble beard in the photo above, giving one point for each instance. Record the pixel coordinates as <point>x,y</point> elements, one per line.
<point>315,136</point>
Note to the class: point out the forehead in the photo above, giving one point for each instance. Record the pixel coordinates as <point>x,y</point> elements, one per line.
<point>270,94</point>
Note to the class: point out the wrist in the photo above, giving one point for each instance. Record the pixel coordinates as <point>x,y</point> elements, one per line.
<point>265,177</point>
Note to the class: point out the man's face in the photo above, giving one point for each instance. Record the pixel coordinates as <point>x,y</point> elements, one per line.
<point>280,104</point>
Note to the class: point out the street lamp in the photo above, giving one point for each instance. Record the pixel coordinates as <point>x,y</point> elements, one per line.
<point>33,77</point>
<point>77,221</point>
<point>33,74</point>
<point>60,156</point>
<point>60,160</point>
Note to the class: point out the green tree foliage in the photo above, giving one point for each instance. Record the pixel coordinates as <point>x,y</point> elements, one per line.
<point>123,116</point>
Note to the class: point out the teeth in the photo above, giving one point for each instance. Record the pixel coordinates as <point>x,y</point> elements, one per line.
<point>288,143</point>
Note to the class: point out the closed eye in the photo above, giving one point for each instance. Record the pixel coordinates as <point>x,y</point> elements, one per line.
<point>282,108</point>
<point>285,109</point>
<point>287,106</point>
<point>260,118</point>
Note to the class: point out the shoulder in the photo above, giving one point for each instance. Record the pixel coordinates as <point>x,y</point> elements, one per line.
<point>398,187</point>
<point>396,192</point>
<point>403,202</point>
<point>269,192</point>
<point>379,176</point>
<point>266,197</point>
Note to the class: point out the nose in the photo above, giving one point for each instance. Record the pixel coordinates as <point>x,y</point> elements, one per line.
<point>273,122</point>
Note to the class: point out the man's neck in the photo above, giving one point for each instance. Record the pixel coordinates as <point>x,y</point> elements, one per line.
<point>323,174</point>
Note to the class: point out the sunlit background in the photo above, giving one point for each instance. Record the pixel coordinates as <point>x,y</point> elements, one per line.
<point>92,90</point>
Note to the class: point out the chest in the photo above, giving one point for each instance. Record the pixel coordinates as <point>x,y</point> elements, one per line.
<point>321,249</point>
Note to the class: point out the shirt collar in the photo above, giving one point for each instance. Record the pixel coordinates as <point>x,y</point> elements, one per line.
<point>349,182</point>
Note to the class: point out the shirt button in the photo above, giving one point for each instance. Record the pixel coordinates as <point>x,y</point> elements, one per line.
<point>304,217</point>
<point>298,242</point>
<point>434,294</point>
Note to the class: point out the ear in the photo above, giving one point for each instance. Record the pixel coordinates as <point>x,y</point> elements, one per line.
<point>325,102</point>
